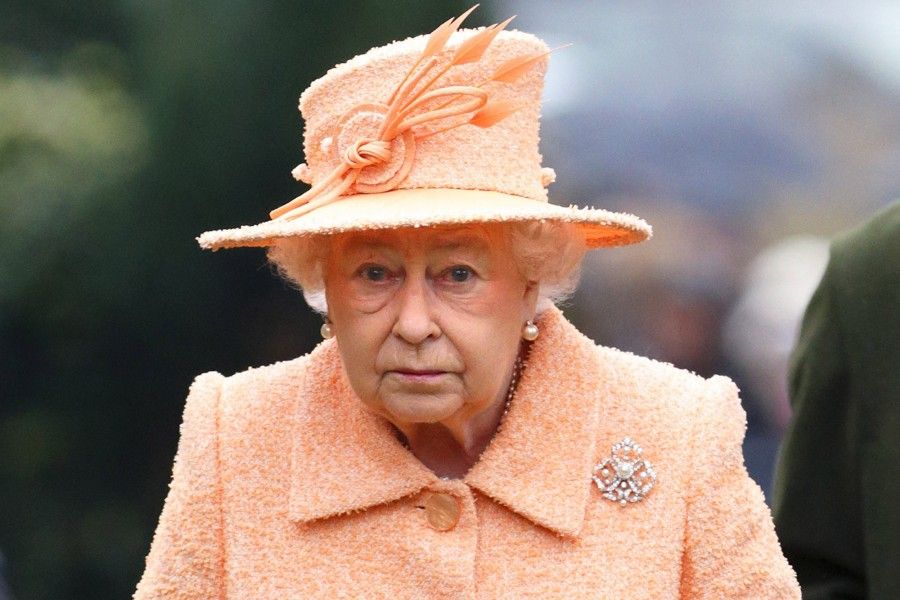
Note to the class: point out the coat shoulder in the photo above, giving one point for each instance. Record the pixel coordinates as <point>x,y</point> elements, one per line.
<point>671,398</point>
<point>258,384</point>
<point>261,395</point>
<point>654,382</point>
<point>872,249</point>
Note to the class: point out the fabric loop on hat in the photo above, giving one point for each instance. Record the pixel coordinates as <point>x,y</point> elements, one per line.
<point>477,98</point>
<point>364,153</point>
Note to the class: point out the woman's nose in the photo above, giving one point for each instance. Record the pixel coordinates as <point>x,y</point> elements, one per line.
<point>415,316</point>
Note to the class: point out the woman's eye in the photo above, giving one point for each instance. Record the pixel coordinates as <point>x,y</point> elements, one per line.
<point>374,273</point>
<point>460,273</point>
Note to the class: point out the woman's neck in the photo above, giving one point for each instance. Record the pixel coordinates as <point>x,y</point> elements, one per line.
<point>451,448</point>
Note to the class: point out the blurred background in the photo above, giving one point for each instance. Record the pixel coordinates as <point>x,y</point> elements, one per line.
<point>746,133</point>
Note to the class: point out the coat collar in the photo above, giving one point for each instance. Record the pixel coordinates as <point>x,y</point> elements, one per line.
<point>346,459</point>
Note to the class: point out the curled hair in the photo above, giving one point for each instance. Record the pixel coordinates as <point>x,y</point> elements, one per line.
<point>547,253</point>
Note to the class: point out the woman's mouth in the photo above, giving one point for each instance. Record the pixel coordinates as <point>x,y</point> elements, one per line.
<point>421,375</point>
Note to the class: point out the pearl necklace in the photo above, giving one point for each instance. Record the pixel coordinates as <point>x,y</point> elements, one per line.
<point>513,383</point>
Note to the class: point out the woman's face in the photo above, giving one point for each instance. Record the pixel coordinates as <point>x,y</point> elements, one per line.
<point>428,321</point>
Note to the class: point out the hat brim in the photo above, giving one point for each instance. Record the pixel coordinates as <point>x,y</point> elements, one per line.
<point>433,207</point>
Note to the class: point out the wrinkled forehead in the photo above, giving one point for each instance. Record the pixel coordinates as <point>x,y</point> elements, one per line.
<point>420,239</point>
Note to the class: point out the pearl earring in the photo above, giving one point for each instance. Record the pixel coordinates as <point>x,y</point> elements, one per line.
<point>530,331</point>
<point>326,331</point>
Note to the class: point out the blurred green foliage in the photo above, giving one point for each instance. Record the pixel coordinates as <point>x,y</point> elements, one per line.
<point>125,130</point>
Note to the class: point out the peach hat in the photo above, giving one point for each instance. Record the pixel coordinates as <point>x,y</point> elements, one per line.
<point>433,130</point>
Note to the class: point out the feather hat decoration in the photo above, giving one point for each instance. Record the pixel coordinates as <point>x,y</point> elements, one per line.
<point>452,140</point>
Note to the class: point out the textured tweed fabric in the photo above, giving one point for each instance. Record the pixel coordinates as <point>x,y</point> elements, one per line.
<point>491,174</point>
<point>284,486</point>
<point>503,158</point>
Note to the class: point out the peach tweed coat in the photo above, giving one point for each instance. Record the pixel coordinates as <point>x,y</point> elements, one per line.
<point>284,486</point>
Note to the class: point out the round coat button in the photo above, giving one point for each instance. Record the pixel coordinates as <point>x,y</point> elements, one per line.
<point>442,510</point>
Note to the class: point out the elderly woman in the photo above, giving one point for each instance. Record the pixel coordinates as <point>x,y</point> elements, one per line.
<point>453,436</point>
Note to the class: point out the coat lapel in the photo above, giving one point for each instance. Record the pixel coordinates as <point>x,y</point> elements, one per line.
<point>539,464</point>
<point>344,458</point>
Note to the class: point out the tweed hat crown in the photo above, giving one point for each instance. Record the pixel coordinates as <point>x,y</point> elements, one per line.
<point>433,130</point>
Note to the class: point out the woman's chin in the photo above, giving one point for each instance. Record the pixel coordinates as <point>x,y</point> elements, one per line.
<point>421,408</point>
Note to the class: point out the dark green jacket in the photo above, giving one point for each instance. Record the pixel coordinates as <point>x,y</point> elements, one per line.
<point>837,489</point>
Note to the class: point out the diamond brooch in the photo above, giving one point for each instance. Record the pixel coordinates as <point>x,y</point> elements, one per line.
<point>625,477</point>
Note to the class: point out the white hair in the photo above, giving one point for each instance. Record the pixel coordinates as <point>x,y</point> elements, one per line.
<point>548,253</point>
